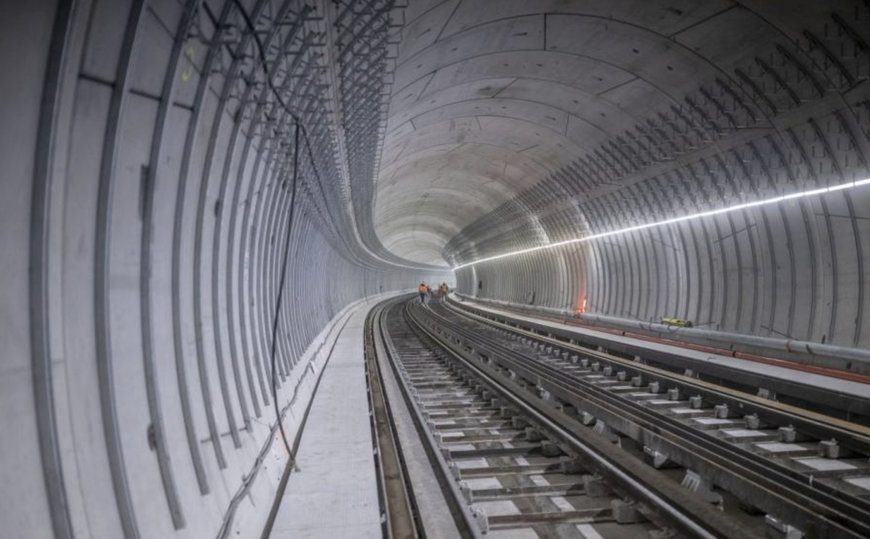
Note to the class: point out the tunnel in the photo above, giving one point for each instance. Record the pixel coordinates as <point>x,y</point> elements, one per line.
<point>199,195</point>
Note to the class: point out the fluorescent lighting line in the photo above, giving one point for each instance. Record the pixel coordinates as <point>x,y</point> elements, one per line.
<point>674,220</point>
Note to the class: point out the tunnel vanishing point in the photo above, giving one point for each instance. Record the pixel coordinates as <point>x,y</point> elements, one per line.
<point>195,194</point>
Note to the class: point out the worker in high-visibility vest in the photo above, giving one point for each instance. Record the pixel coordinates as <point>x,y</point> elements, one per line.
<point>422,289</point>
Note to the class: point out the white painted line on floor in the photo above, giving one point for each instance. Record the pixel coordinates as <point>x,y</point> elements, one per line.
<point>588,531</point>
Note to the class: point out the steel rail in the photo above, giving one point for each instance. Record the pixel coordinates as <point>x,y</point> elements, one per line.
<point>848,363</point>
<point>729,465</point>
<point>395,493</point>
<point>677,505</point>
<point>853,435</point>
<point>466,518</point>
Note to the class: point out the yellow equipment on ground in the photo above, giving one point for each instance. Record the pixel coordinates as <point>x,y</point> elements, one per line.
<point>679,322</point>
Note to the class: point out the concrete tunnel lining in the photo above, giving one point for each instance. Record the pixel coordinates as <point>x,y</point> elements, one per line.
<point>492,33</point>
<point>147,170</point>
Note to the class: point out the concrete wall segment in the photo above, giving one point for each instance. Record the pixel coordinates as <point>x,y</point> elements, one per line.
<point>507,128</point>
<point>155,129</point>
<point>760,271</point>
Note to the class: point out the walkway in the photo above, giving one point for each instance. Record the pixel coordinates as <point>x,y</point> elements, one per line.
<point>334,493</point>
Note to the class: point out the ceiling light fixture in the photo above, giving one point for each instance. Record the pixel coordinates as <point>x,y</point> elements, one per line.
<point>674,220</point>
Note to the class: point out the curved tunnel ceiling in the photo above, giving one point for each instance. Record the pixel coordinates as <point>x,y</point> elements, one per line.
<point>151,152</point>
<point>490,98</point>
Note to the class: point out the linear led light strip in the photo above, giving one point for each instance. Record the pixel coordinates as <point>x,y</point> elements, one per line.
<point>763,202</point>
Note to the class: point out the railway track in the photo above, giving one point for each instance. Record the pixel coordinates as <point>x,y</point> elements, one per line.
<point>512,477</point>
<point>801,468</point>
<point>536,437</point>
<point>786,385</point>
<point>825,451</point>
<point>514,472</point>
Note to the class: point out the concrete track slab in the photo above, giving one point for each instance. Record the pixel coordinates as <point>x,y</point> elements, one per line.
<point>838,385</point>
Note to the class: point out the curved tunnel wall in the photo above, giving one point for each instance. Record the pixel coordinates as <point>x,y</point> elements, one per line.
<point>148,172</point>
<point>148,181</point>
<point>785,107</point>
<point>795,270</point>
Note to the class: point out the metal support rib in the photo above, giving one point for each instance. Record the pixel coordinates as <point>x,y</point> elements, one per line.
<point>43,387</point>
<point>103,316</point>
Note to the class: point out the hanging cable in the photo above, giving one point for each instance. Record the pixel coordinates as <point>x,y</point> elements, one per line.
<point>297,127</point>
<point>299,130</point>
<point>278,302</point>
<point>261,52</point>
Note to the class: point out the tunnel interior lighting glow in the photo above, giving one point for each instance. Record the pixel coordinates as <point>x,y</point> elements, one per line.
<point>674,220</point>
